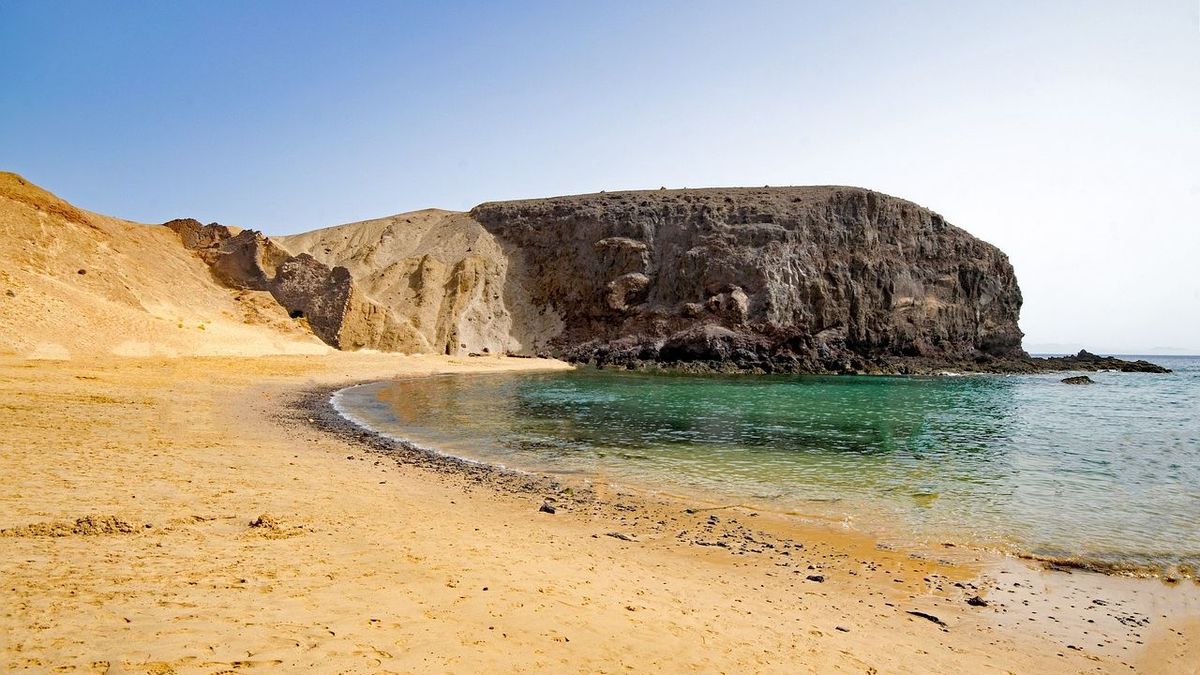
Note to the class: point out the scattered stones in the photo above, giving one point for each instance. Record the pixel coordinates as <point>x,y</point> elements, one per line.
<point>976,601</point>
<point>819,578</point>
<point>619,535</point>
<point>547,507</point>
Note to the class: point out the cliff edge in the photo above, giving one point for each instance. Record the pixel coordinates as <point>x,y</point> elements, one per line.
<point>792,279</point>
<point>795,279</point>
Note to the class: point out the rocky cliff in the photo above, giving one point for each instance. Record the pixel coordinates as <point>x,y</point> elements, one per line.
<point>327,298</point>
<point>802,279</point>
<point>808,279</point>
<point>441,275</point>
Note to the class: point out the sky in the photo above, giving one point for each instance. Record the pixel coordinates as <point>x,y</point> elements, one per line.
<point>1066,133</point>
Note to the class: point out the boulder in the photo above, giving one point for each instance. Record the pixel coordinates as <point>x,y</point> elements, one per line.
<point>1078,379</point>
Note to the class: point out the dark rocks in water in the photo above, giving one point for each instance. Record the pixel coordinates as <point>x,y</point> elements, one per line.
<point>547,507</point>
<point>1086,360</point>
<point>1078,379</point>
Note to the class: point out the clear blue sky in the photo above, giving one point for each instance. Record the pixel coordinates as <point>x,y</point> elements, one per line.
<point>1067,133</point>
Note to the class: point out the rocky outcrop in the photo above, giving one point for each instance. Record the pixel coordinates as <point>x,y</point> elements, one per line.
<point>803,279</point>
<point>446,279</point>
<point>326,297</point>
<point>811,279</point>
<point>1086,360</point>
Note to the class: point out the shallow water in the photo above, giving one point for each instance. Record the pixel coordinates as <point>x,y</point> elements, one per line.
<point>1108,472</point>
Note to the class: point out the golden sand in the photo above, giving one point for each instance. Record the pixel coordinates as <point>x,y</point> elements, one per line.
<point>174,515</point>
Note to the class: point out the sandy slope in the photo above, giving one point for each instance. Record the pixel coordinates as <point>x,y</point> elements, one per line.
<point>442,273</point>
<point>74,282</point>
<point>366,566</point>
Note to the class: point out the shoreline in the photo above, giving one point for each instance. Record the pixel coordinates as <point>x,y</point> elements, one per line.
<point>630,358</point>
<point>323,413</point>
<point>983,564</point>
<point>256,538</point>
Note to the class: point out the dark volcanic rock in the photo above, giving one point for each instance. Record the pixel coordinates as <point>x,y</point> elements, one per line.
<point>1078,379</point>
<point>1086,360</point>
<point>773,279</point>
<point>801,279</point>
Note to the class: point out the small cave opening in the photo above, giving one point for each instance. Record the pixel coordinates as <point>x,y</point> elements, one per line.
<point>296,314</point>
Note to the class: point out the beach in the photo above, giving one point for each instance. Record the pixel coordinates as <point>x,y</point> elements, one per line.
<point>184,515</point>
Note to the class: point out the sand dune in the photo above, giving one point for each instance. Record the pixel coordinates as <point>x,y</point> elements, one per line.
<point>74,282</point>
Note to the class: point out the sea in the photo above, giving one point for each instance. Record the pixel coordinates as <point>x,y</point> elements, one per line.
<point>1106,475</point>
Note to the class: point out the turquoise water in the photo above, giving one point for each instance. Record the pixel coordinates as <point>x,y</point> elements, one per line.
<point>1108,472</point>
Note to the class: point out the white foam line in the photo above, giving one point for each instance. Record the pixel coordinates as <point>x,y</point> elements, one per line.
<point>335,400</point>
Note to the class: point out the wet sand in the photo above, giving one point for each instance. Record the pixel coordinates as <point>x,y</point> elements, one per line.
<point>211,514</point>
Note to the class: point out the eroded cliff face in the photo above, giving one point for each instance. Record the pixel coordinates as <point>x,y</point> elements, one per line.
<point>325,297</point>
<point>442,276</point>
<point>776,279</point>
<point>812,279</point>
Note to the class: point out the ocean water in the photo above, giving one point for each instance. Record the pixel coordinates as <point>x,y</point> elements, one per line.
<point>1107,473</point>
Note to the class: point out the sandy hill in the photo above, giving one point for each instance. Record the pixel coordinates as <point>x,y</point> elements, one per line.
<point>444,279</point>
<point>75,283</point>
